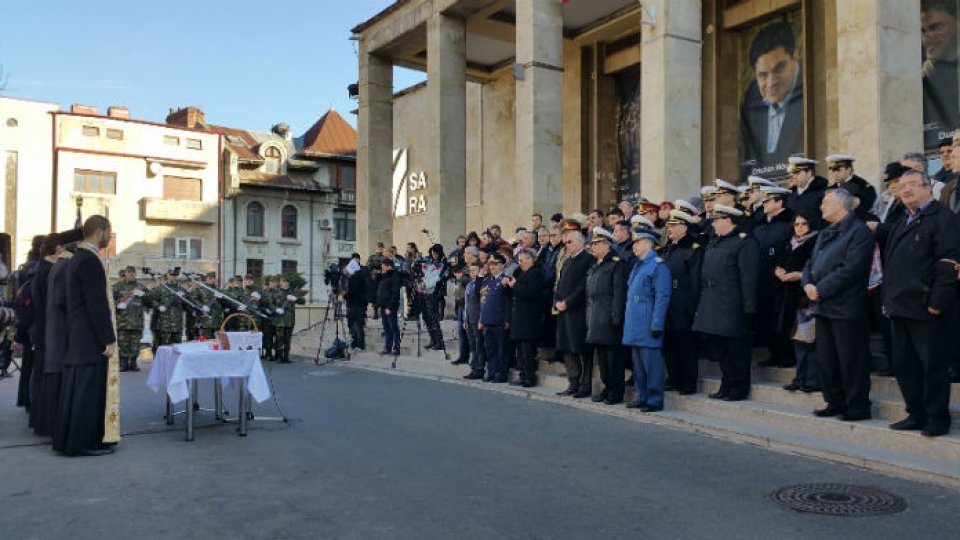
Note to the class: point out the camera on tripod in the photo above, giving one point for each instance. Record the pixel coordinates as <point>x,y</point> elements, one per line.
<point>331,277</point>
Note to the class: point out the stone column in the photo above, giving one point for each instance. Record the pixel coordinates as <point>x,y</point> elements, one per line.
<point>447,96</point>
<point>374,152</point>
<point>881,98</point>
<point>539,108</point>
<point>671,100</point>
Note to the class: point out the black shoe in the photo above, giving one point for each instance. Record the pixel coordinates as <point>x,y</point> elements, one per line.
<point>499,380</point>
<point>734,397</point>
<point>567,392</point>
<point>650,408</point>
<point>792,387</point>
<point>133,367</point>
<point>809,389</point>
<point>473,375</point>
<point>581,395</point>
<point>829,410</point>
<point>636,405</point>
<point>529,383</point>
<point>105,451</point>
<point>909,423</point>
<point>613,400</point>
<point>719,394</point>
<point>599,397</point>
<point>854,416</point>
<point>935,431</point>
<point>458,361</point>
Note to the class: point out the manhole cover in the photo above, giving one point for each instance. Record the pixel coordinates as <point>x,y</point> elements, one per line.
<point>839,500</point>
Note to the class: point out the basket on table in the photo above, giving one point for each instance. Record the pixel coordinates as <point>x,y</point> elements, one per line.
<point>224,338</point>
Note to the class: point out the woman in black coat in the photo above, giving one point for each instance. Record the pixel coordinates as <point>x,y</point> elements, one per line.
<point>790,298</point>
<point>525,314</point>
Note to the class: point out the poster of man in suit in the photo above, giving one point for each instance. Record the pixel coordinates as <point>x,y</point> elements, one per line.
<point>771,114</point>
<point>941,87</point>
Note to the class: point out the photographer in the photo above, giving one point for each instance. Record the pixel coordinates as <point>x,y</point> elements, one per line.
<point>430,289</point>
<point>354,293</point>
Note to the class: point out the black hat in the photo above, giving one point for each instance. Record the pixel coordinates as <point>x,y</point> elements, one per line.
<point>556,218</point>
<point>893,171</point>
<point>71,236</point>
<point>496,256</point>
<point>387,261</point>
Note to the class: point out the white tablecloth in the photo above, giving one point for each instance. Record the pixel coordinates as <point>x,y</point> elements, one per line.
<point>174,365</point>
<point>244,340</point>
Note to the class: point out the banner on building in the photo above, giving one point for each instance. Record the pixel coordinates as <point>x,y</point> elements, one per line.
<point>941,86</point>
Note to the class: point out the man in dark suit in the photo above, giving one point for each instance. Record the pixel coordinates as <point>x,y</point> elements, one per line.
<point>771,118</point>
<point>92,341</point>
<point>570,304</point>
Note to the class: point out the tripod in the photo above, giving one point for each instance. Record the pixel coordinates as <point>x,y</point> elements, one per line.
<point>337,315</point>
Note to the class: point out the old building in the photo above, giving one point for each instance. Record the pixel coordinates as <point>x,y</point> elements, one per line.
<point>544,105</point>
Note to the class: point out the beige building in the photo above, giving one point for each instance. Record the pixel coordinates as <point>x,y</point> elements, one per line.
<point>540,105</point>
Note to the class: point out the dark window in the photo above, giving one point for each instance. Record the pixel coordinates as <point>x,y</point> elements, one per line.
<point>348,177</point>
<point>288,267</point>
<point>254,219</point>
<point>255,268</point>
<point>288,222</point>
<point>345,226</point>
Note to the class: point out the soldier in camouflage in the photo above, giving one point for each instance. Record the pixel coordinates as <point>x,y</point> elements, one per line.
<point>235,291</point>
<point>285,319</point>
<point>167,311</point>
<point>209,302</point>
<point>128,302</point>
<point>270,299</point>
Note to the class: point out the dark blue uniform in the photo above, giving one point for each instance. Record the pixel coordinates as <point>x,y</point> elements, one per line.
<point>494,316</point>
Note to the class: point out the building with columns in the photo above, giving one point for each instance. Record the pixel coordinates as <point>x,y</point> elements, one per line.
<point>547,106</point>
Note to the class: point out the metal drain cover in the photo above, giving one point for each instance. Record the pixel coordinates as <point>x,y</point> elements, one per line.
<point>839,500</point>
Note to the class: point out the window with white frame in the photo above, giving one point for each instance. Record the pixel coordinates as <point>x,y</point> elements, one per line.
<point>344,226</point>
<point>182,248</point>
<point>272,158</point>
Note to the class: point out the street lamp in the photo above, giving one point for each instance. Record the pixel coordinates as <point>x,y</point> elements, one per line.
<point>79,222</point>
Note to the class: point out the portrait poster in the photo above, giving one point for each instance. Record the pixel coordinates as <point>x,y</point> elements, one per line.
<point>771,85</point>
<point>941,86</point>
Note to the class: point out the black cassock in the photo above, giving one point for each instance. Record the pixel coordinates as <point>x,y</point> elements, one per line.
<point>38,287</point>
<point>83,394</point>
<point>55,344</point>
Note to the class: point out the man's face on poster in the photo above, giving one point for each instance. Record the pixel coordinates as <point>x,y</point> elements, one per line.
<point>938,35</point>
<point>775,72</point>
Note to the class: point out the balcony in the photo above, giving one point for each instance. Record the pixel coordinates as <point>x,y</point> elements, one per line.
<point>179,211</point>
<point>347,196</point>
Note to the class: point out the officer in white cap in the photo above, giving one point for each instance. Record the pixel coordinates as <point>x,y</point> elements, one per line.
<point>684,257</point>
<point>808,188</point>
<point>754,202</point>
<point>728,299</point>
<point>841,172</point>
<point>729,195</point>
<point>606,292</point>
<point>772,236</point>
<point>708,194</point>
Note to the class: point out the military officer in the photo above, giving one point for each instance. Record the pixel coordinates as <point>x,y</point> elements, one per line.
<point>209,302</point>
<point>728,299</point>
<point>841,172</point>
<point>128,302</point>
<point>287,317</point>
<point>606,298</point>
<point>166,300</point>
<point>684,257</point>
<point>236,291</point>
<point>773,236</point>
<point>271,299</point>
<point>808,188</point>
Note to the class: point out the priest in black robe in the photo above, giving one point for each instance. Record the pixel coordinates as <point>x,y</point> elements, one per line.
<point>83,395</point>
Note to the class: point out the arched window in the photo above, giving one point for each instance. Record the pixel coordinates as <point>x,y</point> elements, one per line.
<point>288,222</point>
<point>254,219</point>
<point>272,155</point>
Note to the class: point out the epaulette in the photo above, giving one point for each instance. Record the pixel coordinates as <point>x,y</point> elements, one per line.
<point>615,258</point>
<point>743,235</point>
<point>659,260</point>
<point>696,245</point>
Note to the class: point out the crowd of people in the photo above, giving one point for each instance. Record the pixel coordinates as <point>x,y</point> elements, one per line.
<point>806,271</point>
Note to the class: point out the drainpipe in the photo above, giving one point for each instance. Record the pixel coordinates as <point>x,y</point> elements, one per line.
<point>220,180</point>
<point>312,225</point>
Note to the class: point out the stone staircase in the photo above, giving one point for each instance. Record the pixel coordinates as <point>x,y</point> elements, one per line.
<point>772,417</point>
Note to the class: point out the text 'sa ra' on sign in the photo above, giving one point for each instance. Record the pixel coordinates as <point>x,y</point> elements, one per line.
<point>409,187</point>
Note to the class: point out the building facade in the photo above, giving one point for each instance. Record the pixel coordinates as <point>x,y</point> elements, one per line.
<point>551,106</point>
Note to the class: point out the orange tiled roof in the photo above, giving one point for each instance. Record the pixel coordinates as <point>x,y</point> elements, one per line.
<point>244,151</point>
<point>331,135</point>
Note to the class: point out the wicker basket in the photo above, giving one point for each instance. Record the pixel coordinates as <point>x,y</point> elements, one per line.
<point>222,336</point>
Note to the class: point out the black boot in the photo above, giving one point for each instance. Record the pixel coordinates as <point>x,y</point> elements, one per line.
<point>132,365</point>
<point>124,365</point>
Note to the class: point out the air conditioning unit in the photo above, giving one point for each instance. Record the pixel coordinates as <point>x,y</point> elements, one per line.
<point>325,224</point>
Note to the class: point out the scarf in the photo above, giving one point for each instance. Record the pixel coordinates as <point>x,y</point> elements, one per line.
<point>797,241</point>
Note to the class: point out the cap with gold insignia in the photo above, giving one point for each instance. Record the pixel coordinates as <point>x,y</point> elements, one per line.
<point>774,192</point>
<point>836,161</point>
<point>640,221</point>
<point>686,206</point>
<point>639,232</point>
<point>601,235</point>
<point>720,210</point>
<point>725,187</point>
<point>758,182</point>
<point>800,163</point>
<point>645,206</point>
<point>708,193</point>
<point>744,192</point>
<point>569,224</point>
<point>679,217</point>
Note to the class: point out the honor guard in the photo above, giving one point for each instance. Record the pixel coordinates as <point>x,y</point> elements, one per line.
<point>128,302</point>
<point>167,306</point>
<point>269,303</point>
<point>286,319</point>
<point>235,291</point>
<point>210,302</point>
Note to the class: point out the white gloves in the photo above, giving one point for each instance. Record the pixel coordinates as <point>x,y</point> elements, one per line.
<point>242,308</point>
<point>279,311</point>
<point>180,294</point>
<point>122,305</point>
<point>138,292</point>
<point>206,309</point>
<point>291,298</point>
<point>162,309</point>
<point>255,295</point>
<point>217,295</point>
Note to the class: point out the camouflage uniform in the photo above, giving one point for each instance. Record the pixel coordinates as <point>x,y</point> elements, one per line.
<point>128,303</point>
<point>167,322</point>
<point>238,324</point>
<point>205,298</point>
<point>285,322</point>
<point>267,305</point>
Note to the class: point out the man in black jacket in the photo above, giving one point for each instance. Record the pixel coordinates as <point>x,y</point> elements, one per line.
<point>773,237</point>
<point>841,172</point>
<point>728,299</point>
<point>388,298</point>
<point>83,397</point>
<point>355,295</point>
<point>684,257</point>
<point>835,280</point>
<point>920,288</point>
<point>808,188</point>
<point>606,301</point>
<point>570,304</point>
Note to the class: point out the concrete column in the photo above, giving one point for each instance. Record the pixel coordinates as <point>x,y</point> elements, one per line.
<point>447,96</point>
<point>539,108</point>
<point>881,99</point>
<point>671,100</point>
<point>374,152</point>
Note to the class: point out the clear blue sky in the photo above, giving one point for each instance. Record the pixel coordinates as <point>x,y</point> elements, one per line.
<point>247,64</point>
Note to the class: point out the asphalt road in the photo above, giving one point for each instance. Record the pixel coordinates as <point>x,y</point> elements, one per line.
<point>369,455</point>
